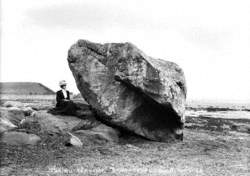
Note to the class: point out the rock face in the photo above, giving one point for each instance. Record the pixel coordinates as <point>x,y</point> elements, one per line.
<point>129,89</point>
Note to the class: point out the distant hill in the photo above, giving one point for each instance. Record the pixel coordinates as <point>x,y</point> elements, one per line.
<point>24,88</point>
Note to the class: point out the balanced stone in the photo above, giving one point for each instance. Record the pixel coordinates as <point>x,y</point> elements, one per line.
<point>130,90</point>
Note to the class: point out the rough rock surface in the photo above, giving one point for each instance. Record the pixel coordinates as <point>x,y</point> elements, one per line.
<point>88,129</point>
<point>99,134</point>
<point>13,114</point>
<point>6,125</point>
<point>52,123</point>
<point>19,138</point>
<point>130,90</point>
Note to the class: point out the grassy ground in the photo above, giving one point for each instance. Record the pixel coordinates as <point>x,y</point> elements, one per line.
<point>210,147</point>
<point>202,152</point>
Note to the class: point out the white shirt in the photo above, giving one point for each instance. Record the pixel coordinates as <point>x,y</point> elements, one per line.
<point>64,93</point>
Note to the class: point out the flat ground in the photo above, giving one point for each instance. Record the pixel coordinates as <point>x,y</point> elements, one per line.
<point>210,147</point>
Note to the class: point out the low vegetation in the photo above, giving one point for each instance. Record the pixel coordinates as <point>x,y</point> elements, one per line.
<point>210,147</point>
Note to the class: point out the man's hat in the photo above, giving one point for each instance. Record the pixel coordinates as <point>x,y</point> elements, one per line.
<point>62,83</point>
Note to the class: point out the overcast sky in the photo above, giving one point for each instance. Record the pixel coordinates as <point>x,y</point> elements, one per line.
<point>209,39</point>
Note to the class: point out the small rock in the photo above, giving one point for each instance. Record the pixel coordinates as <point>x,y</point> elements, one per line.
<point>75,141</point>
<point>99,134</point>
<point>33,114</point>
<point>225,127</point>
<point>132,147</point>
<point>27,111</point>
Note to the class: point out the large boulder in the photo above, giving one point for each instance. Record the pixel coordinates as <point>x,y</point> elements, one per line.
<point>129,89</point>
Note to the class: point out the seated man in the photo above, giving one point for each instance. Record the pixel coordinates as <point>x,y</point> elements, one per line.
<point>64,105</point>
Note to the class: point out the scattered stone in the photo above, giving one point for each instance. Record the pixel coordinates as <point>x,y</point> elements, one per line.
<point>13,114</point>
<point>28,111</point>
<point>6,125</point>
<point>130,90</point>
<point>87,130</point>
<point>19,138</point>
<point>99,134</point>
<point>53,123</point>
<point>225,127</point>
<point>74,141</point>
<point>12,104</point>
<point>30,125</point>
<point>33,114</point>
